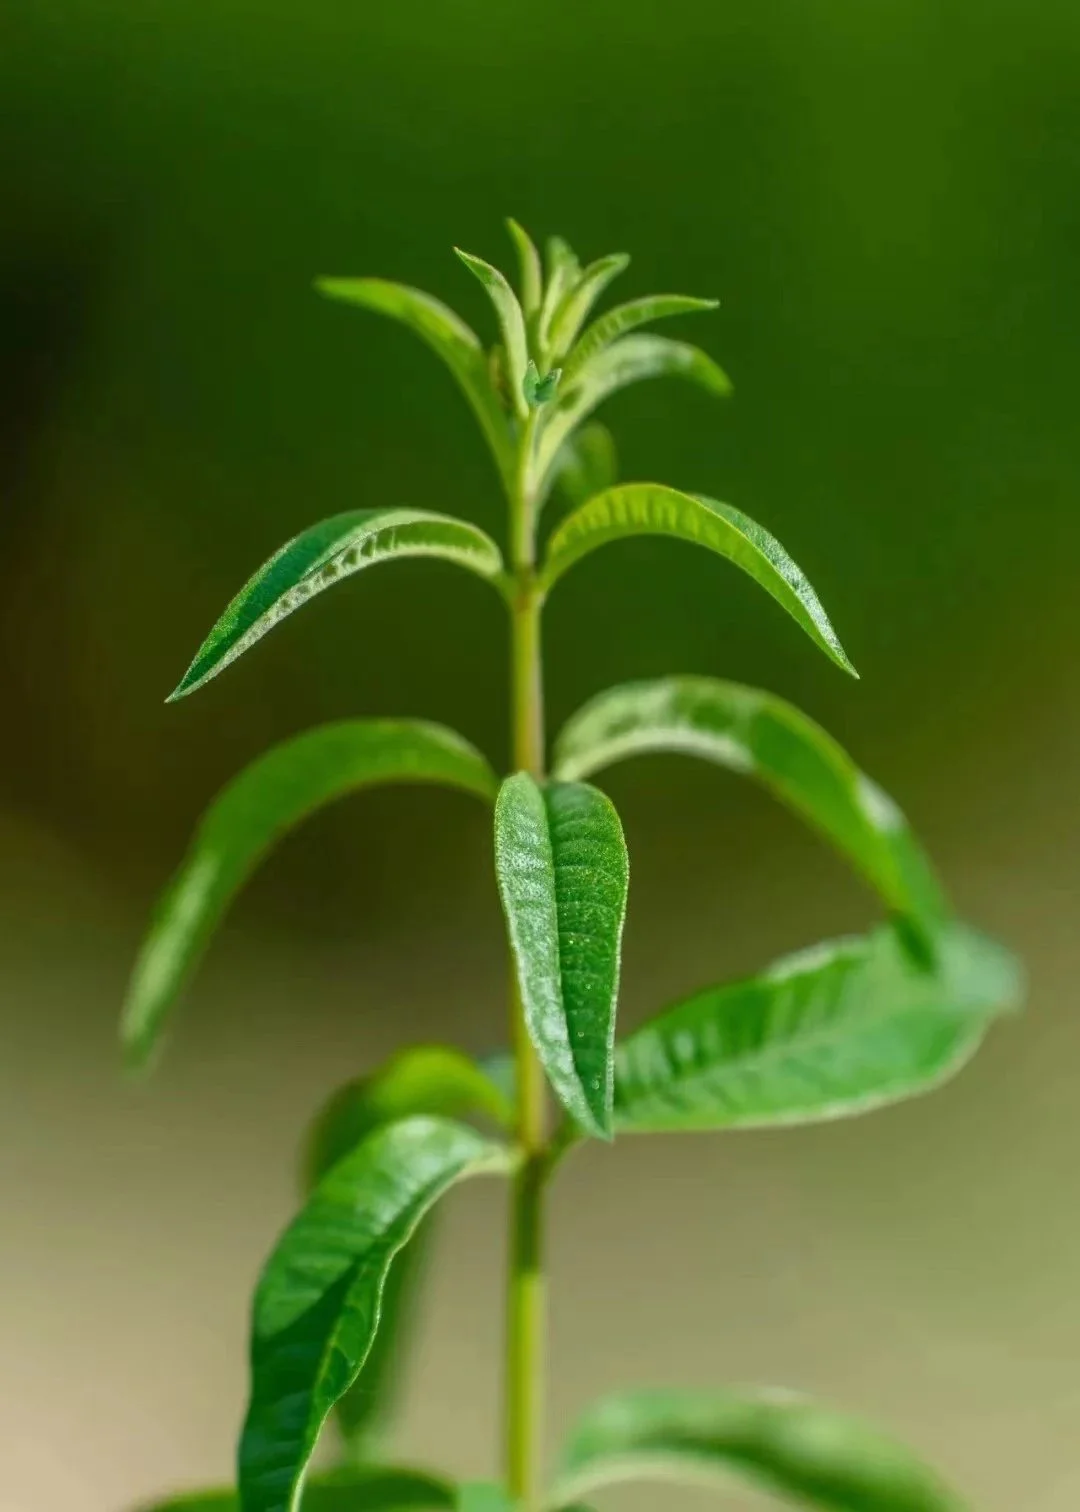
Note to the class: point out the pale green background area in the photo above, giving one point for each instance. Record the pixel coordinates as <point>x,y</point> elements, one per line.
<point>885,198</point>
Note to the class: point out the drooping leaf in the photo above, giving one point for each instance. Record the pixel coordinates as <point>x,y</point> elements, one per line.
<point>616,367</point>
<point>334,549</point>
<point>627,317</point>
<point>532,277</point>
<point>563,271</point>
<point>833,1031</point>
<point>772,1441</point>
<point>587,464</point>
<point>483,1496</point>
<point>764,738</point>
<point>633,509</point>
<point>511,322</point>
<point>449,337</point>
<point>353,1489</point>
<point>317,1305</point>
<point>276,792</point>
<point>576,303</point>
<point>562,870</point>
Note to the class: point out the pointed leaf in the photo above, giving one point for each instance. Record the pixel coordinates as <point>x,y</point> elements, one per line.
<point>334,549</point>
<point>317,1304</point>
<point>562,869</point>
<point>449,337</point>
<point>770,1440</point>
<point>532,277</point>
<point>511,322</point>
<point>627,317</point>
<point>276,792</point>
<point>830,1032</point>
<point>575,305</point>
<point>587,464</point>
<point>634,509</point>
<point>767,739</point>
<point>359,1489</point>
<point>563,271</point>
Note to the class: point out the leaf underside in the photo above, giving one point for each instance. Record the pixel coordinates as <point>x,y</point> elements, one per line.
<point>359,1489</point>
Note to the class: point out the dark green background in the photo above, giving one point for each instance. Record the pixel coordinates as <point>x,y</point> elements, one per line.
<point>886,198</point>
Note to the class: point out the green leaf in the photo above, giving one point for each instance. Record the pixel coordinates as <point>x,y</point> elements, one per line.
<point>769,1440</point>
<point>628,361</point>
<point>634,509</point>
<point>334,549</point>
<point>317,1305</point>
<point>563,272</point>
<point>449,337</point>
<point>767,739</point>
<point>833,1031</point>
<point>532,277</point>
<point>627,317</point>
<point>483,1496</point>
<point>511,322</point>
<point>587,463</point>
<point>575,305</point>
<point>359,1489</point>
<point>276,792</point>
<point>539,390</point>
<point>562,869</point>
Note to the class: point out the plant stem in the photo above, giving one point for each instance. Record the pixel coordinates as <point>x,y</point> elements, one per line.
<point>525,1324</point>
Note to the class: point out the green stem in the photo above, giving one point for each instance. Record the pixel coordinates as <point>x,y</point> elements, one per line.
<point>525,1326</point>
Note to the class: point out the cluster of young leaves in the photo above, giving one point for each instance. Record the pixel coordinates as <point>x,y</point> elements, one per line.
<point>833,1031</point>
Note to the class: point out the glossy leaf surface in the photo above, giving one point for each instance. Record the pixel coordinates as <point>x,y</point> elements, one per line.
<point>628,317</point>
<point>317,1304</point>
<point>634,509</point>
<point>363,1489</point>
<point>562,870</point>
<point>830,1032</point>
<point>511,321</point>
<point>276,792</point>
<point>818,1457</point>
<point>587,464</point>
<point>317,558</point>
<point>764,738</point>
<point>449,337</point>
<point>579,300</point>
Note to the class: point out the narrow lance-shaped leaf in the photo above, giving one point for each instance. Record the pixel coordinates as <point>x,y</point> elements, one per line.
<point>769,1440</point>
<point>318,1301</point>
<point>579,300</point>
<point>830,1032</point>
<point>511,323</point>
<point>764,738</point>
<point>335,549</point>
<point>562,869</point>
<point>587,464</point>
<point>563,271</point>
<point>628,317</point>
<point>634,509</point>
<point>532,276</point>
<point>449,337</point>
<point>276,792</point>
<point>353,1489</point>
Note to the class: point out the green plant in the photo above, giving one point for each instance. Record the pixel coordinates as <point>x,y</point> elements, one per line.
<point>839,1029</point>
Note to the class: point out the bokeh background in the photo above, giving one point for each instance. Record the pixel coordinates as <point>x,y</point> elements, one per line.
<point>887,199</point>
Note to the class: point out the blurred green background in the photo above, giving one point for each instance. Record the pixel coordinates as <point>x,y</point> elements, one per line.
<point>886,198</point>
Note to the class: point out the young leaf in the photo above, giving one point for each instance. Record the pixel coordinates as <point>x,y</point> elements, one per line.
<point>282,787</point>
<point>539,390</point>
<point>575,305</point>
<point>359,1489</point>
<point>563,271</point>
<point>562,869</point>
<point>627,317</point>
<point>765,738</point>
<point>511,322</point>
<point>833,1031</point>
<point>532,277</point>
<point>587,464</point>
<point>449,337</point>
<point>772,1441</point>
<point>322,555</point>
<point>318,1301</point>
<point>634,509</point>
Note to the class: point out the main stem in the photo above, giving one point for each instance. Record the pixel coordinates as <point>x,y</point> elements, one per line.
<point>525,1323</point>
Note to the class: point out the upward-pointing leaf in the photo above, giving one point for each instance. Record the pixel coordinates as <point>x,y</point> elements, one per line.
<point>775,1441</point>
<point>563,271</point>
<point>334,549</point>
<point>532,277</point>
<point>579,300</point>
<point>449,337</point>
<point>625,318</point>
<point>764,738</point>
<point>562,869</point>
<point>634,509</point>
<point>317,1304</point>
<point>511,322</point>
<point>360,1489</point>
<point>282,787</point>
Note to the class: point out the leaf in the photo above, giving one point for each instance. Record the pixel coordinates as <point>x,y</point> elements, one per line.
<point>449,337</point>
<point>483,1496</point>
<point>633,509</point>
<point>563,271</point>
<point>511,322</point>
<point>334,549</point>
<point>587,464</point>
<point>770,1440</point>
<point>539,390</point>
<point>359,1489</point>
<point>765,738</point>
<point>628,361</point>
<point>562,870</point>
<point>830,1032</point>
<point>627,317</point>
<point>576,303</point>
<point>532,278</point>
<point>276,792</point>
<point>317,1305</point>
